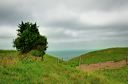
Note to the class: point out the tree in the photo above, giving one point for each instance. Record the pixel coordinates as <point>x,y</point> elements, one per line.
<point>29,38</point>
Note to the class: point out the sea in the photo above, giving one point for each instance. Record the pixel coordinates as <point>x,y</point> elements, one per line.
<point>67,54</point>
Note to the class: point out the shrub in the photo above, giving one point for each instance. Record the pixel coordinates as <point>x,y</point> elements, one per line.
<point>29,38</point>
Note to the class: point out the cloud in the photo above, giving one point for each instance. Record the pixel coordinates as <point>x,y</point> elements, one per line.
<point>7,32</point>
<point>13,13</point>
<point>68,24</point>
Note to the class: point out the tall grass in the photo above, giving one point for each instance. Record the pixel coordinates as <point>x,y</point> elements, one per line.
<point>28,70</point>
<point>116,76</point>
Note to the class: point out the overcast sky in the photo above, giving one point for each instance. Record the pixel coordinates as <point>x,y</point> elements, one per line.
<point>68,24</point>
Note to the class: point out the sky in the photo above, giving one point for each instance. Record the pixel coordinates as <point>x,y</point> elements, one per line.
<point>68,24</point>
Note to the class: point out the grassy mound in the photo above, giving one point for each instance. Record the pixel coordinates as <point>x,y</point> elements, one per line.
<point>111,54</point>
<point>115,76</point>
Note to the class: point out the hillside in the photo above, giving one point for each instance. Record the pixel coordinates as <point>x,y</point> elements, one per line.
<point>113,57</point>
<point>111,54</point>
<point>25,69</point>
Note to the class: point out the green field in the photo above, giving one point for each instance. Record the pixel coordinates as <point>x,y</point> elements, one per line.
<point>26,69</point>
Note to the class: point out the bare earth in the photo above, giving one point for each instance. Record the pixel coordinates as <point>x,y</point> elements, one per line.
<point>101,66</point>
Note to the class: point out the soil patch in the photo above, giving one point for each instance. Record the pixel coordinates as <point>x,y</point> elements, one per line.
<point>101,66</point>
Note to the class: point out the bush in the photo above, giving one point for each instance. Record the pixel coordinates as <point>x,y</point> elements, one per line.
<point>29,38</point>
<point>36,53</point>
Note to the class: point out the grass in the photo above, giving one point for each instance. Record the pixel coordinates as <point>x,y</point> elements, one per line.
<point>116,76</point>
<point>111,54</point>
<point>17,69</point>
<point>26,69</point>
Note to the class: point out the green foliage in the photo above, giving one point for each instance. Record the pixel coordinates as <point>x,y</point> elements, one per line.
<point>36,53</point>
<point>29,38</point>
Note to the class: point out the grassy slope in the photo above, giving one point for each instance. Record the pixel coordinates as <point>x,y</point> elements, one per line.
<point>15,70</point>
<point>116,76</point>
<point>111,54</point>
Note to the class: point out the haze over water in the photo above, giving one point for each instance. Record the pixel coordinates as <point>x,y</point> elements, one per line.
<point>66,55</point>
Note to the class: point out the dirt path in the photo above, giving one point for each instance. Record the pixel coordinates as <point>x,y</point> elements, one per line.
<point>100,66</point>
